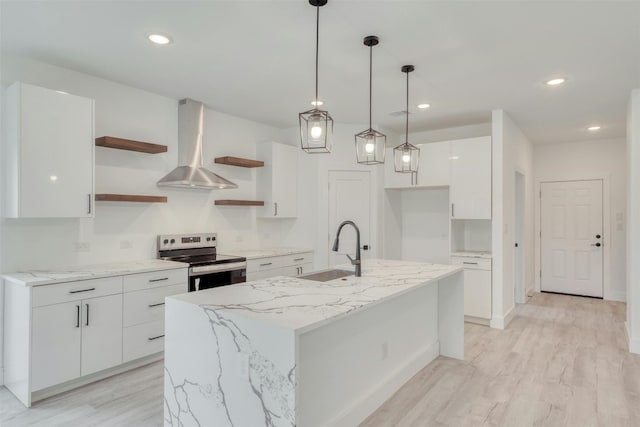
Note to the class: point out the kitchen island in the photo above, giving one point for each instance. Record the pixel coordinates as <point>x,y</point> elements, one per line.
<point>288,351</point>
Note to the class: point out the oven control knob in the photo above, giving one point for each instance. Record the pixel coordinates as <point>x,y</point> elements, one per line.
<point>165,241</point>
<point>173,240</point>
<point>208,239</point>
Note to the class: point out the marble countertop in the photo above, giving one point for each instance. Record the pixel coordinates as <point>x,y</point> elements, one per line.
<point>473,254</point>
<point>301,305</point>
<point>269,252</point>
<point>84,272</point>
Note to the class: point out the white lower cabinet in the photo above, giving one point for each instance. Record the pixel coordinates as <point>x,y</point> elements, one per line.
<point>82,328</point>
<point>477,286</point>
<point>284,265</point>
<point>101,333</point>
<point>55,352</point>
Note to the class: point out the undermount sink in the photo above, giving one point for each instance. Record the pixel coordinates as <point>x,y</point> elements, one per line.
<point>326,275</point>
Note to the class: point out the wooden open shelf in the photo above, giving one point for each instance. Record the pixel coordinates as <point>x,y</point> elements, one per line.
<point>239,203</point>
<point>130,145</point>
<point>130,198</point>
<point>239,161</point>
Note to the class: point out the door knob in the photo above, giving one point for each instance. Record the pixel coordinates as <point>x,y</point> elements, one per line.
<point>598,236</point>
<point>596,244</point>
<point>365,248</point>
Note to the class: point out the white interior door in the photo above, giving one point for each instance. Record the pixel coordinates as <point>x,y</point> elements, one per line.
<point>349,199</point>
<point>572,240</point>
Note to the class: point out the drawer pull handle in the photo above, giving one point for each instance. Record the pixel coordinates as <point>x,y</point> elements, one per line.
<point>82,290</point>
<point>470,263</point>
<point>87,324</point>
<point>155,338</point>
<point>156,305</point>
<point>77,315</point>
<point>158,280</point>
<point>298,259</point>
<point>265,264</point>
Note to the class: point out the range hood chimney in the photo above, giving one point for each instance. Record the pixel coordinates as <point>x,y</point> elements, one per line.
<point>191,172</point>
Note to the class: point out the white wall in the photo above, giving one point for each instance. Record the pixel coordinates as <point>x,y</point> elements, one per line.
<point>512,151</point>
<point>633,222</point>
<point>604,159</point>
<point>447,134</point>
<point>132,113</point>
<point>425,225</point>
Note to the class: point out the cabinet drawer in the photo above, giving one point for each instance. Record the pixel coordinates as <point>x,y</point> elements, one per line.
<point>262,264</point>
<point>297,259</point>
<point>74,291</point>
<point>472,263</point>
<point>154,279</point>
<point>148,305</point>
<point>142,340</point>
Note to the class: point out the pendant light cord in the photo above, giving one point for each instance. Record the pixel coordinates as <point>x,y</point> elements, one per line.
<point>370,82</point>
<point>317,47</point>
<point>406,139</point>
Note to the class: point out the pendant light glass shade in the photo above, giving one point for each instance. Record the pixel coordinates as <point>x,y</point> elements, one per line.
<point>406,157</point>
<point>370,144</point>
<point>316,126</point>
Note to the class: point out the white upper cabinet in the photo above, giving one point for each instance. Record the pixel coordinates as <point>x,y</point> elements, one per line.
<point>433,169</point>
<point>277,181</point>
<point>49,147</point>
<point>470,191</point>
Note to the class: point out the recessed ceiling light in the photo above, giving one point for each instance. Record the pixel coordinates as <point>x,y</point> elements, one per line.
<point>159,38</point>
<point>316,103</point>
<point>557,81</point>
<point>423,106</point>
<point>592,128</point>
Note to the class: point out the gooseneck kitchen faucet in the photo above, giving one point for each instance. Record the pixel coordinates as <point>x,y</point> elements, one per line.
<point>357,262</point>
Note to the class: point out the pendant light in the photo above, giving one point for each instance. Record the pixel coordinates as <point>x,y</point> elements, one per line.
<point>406,156</point>
<point>316,126</point>
<point>370,144</point>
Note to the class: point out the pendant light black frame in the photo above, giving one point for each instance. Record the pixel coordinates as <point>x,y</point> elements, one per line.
<point>317,119</point>
<point>370,143</point>
<point>406,157</point>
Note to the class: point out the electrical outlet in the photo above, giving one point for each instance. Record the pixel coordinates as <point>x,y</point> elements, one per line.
<point>126,244</point>
<point>83,246</point>
<point>385,350</point>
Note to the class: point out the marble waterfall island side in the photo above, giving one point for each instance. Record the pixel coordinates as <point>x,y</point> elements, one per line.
<point>293,352</point>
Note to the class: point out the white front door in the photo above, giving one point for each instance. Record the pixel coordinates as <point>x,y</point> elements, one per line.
<point>572,240</point>
<point>349,199</point>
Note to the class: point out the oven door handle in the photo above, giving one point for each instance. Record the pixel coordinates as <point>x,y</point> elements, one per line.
<point>216,268</point>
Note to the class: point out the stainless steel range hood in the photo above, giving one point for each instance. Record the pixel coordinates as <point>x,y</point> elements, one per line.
<point>191,172</point>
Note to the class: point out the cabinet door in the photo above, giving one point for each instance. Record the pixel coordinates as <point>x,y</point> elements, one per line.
<point>56,145</point>
<point>285,181</point>
<point>470,191</point>
<point>291,270</point>
<point>477,293</point>
<point>264,274</point>
<point>101,333</point>
<point>433,169</point>
<point>306,268</point>
<point>393,179</point>
<point>55,340</point>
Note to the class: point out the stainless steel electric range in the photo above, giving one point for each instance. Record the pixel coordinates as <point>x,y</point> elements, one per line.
<point>207,268</point>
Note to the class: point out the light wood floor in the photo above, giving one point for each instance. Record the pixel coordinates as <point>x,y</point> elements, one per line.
<point>561,362</point>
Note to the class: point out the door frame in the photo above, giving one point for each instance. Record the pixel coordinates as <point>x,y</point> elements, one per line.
<point>519,234</point>
<point>606,230</point>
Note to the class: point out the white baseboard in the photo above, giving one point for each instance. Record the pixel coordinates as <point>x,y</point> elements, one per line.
<point>616,296</point>
<point>477,320</point>
<point>634,344</point>
<point>367,404</point>
<point>501,322</point>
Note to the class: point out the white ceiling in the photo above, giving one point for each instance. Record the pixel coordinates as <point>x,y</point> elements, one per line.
<point>255,59</point>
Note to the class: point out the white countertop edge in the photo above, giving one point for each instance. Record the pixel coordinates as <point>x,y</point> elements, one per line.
<point>79,273</point>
